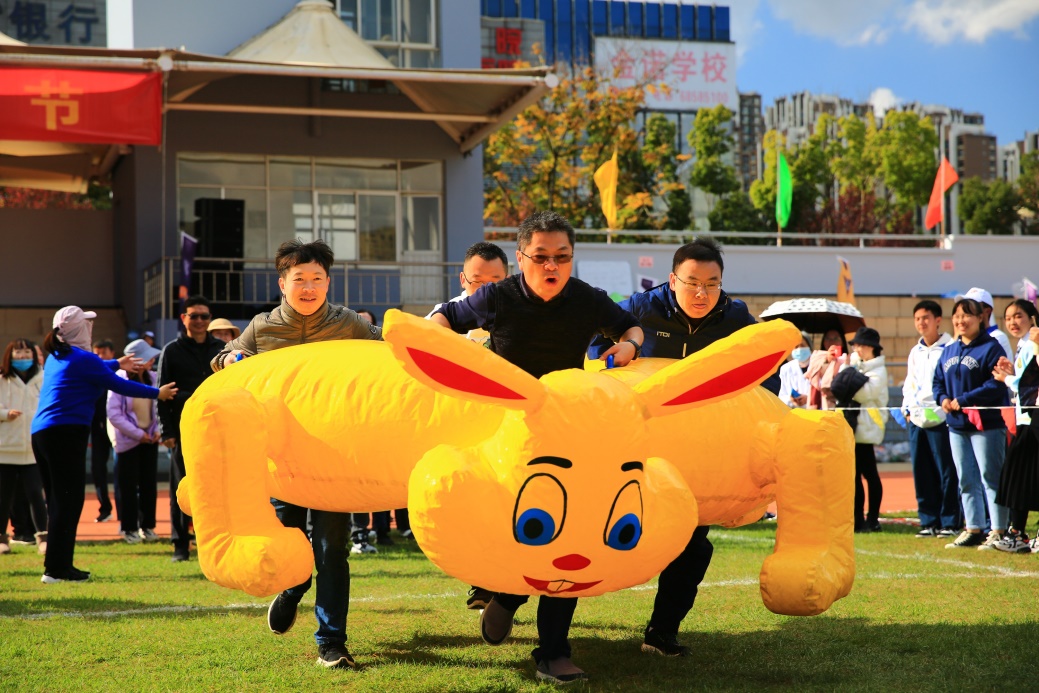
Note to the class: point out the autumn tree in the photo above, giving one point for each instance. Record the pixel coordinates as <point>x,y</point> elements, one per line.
<point>654,170</point>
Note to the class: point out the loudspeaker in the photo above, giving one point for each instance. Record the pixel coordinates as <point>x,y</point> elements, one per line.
<point>220,228</point>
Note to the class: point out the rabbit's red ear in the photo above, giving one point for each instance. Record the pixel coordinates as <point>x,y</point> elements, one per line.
<point>453,365</point>
<point>724,369</point>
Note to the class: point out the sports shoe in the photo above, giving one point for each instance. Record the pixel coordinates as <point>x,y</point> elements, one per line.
<point>5,545</point>
<point>946,532</point>
<point>335,656</point>
<point>131,537</point>
<point>1013,542</point>
<point>560,670</point>
<point>1035,544</point>
<point>990,542</point>
<point>70,575</point>
<point>180,556</point>
<point>104,516</point>
<point>663,643</point>
<point>926,532</point>
<point>149,535</point>
<point>281,614</point>
<point>363,547</point>
<point>495,623</point>
<point>406,534</point>
<point>23,540</point>
<point>966,540</point>
<point>478,598</point>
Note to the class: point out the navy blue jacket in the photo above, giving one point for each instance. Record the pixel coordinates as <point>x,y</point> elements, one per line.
<point>964,373</point>
<point>669,334</point>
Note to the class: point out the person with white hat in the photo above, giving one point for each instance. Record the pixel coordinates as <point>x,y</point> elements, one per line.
<point>73,379</point>
<point>135,425</point>
<point>987,323</point>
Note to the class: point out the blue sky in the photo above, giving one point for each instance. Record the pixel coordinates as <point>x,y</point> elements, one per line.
<point>977,55</point>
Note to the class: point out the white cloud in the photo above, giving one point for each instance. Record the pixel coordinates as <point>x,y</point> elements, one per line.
<point>882,100</point>
<point>944,21</point>
<point>744,25</point>
<point>842,22</point>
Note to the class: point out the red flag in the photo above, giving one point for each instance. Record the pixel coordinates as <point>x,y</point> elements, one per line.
<point>88,106</point>
<point>942,182</point>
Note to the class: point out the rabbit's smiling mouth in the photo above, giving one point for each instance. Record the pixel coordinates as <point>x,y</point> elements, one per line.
<point>559,586</point>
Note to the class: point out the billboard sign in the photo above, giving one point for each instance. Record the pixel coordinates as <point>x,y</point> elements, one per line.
<point>698,74</point>
<point>505,41</point>
<point>55,22</point>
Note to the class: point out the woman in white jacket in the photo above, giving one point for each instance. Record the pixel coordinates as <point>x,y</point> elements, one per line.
<point>872,397</point>
<point>20,379</point>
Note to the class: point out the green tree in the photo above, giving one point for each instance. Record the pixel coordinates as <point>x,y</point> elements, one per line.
<point>989,207</point>
<point>659,162</point>
<point>853,155</point>
<point>904,151</point>
<point>1028,189</point>
<point>711,139</point>
<point>805,194</point>
<point>736,212</point>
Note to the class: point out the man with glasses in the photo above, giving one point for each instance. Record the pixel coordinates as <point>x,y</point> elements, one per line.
<point>184,361</point>
<point>541,320</point>
<point>680,318</point>
<point>484,263</point>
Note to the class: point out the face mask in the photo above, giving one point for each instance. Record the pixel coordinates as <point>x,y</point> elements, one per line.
<point>801,353</point>
<point>22,365</point>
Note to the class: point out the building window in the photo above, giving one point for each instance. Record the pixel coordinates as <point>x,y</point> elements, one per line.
<point>366,209</point>
<point>404,31</point>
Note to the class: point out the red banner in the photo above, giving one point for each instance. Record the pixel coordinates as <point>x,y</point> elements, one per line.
<point>81,106</point>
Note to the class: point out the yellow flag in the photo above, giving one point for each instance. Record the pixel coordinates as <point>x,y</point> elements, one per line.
<point>606,180</point>
<point>845,287</point>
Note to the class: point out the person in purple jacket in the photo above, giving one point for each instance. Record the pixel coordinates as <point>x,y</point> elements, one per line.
<point>963,381</point>
<point>73,380</point>
<point>136,424</point>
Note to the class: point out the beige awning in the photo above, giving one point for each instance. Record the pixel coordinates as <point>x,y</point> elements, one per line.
<point>6,40</point>
<point>312,42</point>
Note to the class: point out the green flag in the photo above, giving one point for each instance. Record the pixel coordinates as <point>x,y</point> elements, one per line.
<point>784,192</point>
<point>931,415</point>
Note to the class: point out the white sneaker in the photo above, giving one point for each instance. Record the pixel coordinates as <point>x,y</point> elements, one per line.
<point>363,547</point>
<point>994,537</point>
<point>1013,542</point>
<point>1035,544</point>
<point>148,535</point>
<point>407,534</point>
<point>131,537</point>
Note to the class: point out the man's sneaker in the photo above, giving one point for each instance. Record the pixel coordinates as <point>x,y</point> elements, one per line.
<point>1013,542</point>
<point>70,575</point>
<point>495,623</point>
<point>23,540</point>
<point>406,534</point>
<point>927,532</point>
<point>966,540</point>
<point>663,643</point>
<point>363,547</point>
<point>478,598</point>
<point>180,555</point>
<point>281,614</point>
<point>560,670</point>
<point>104,516</point>
<point>990,542</point>
<point>1035,544</point>
<point>149,535</point>
<point>946,532</point>
<point>335,657</point>
<point>131,537</point>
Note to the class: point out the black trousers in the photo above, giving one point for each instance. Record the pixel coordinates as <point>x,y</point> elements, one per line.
<point>680,581</point>
<point>555,614</point>
<point>62,450</point>
<point>138,486</point>
<point>866,467</point>
<point>179,522</point>
<point>100,451</point>
<point>22,477</point>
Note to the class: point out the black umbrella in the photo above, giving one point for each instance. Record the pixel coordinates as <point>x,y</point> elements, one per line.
<point>816,315</point>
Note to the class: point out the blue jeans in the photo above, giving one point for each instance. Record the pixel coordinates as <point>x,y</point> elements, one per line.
<point>979,459</point>
<point>331,541</point>
<point>934,475</point>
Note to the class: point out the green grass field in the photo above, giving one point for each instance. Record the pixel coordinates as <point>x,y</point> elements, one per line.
<point>920,618</point>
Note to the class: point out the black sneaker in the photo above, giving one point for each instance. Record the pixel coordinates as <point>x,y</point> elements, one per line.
<point>70,575</point>
<point>663,643</point>
<point>281,615</point>
<point>926,532</point>
<point>104,516</point>
<point>180,555</point>
<point>966,540</point>
<point>335,656</point>
<point>478,598</point>
<point>495,623</point>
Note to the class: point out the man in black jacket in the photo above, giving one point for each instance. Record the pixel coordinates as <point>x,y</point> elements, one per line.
<point>680,318</point>
<point>184,361</point>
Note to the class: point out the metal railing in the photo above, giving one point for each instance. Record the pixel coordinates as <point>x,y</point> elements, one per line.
<point>252,284</point>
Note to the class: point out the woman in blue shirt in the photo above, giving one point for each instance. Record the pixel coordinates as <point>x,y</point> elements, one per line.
<point>73,380</point>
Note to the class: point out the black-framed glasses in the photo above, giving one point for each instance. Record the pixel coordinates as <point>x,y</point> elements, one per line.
<point>706,287</point>
<point>198,316</point>
<point>540,259</point>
